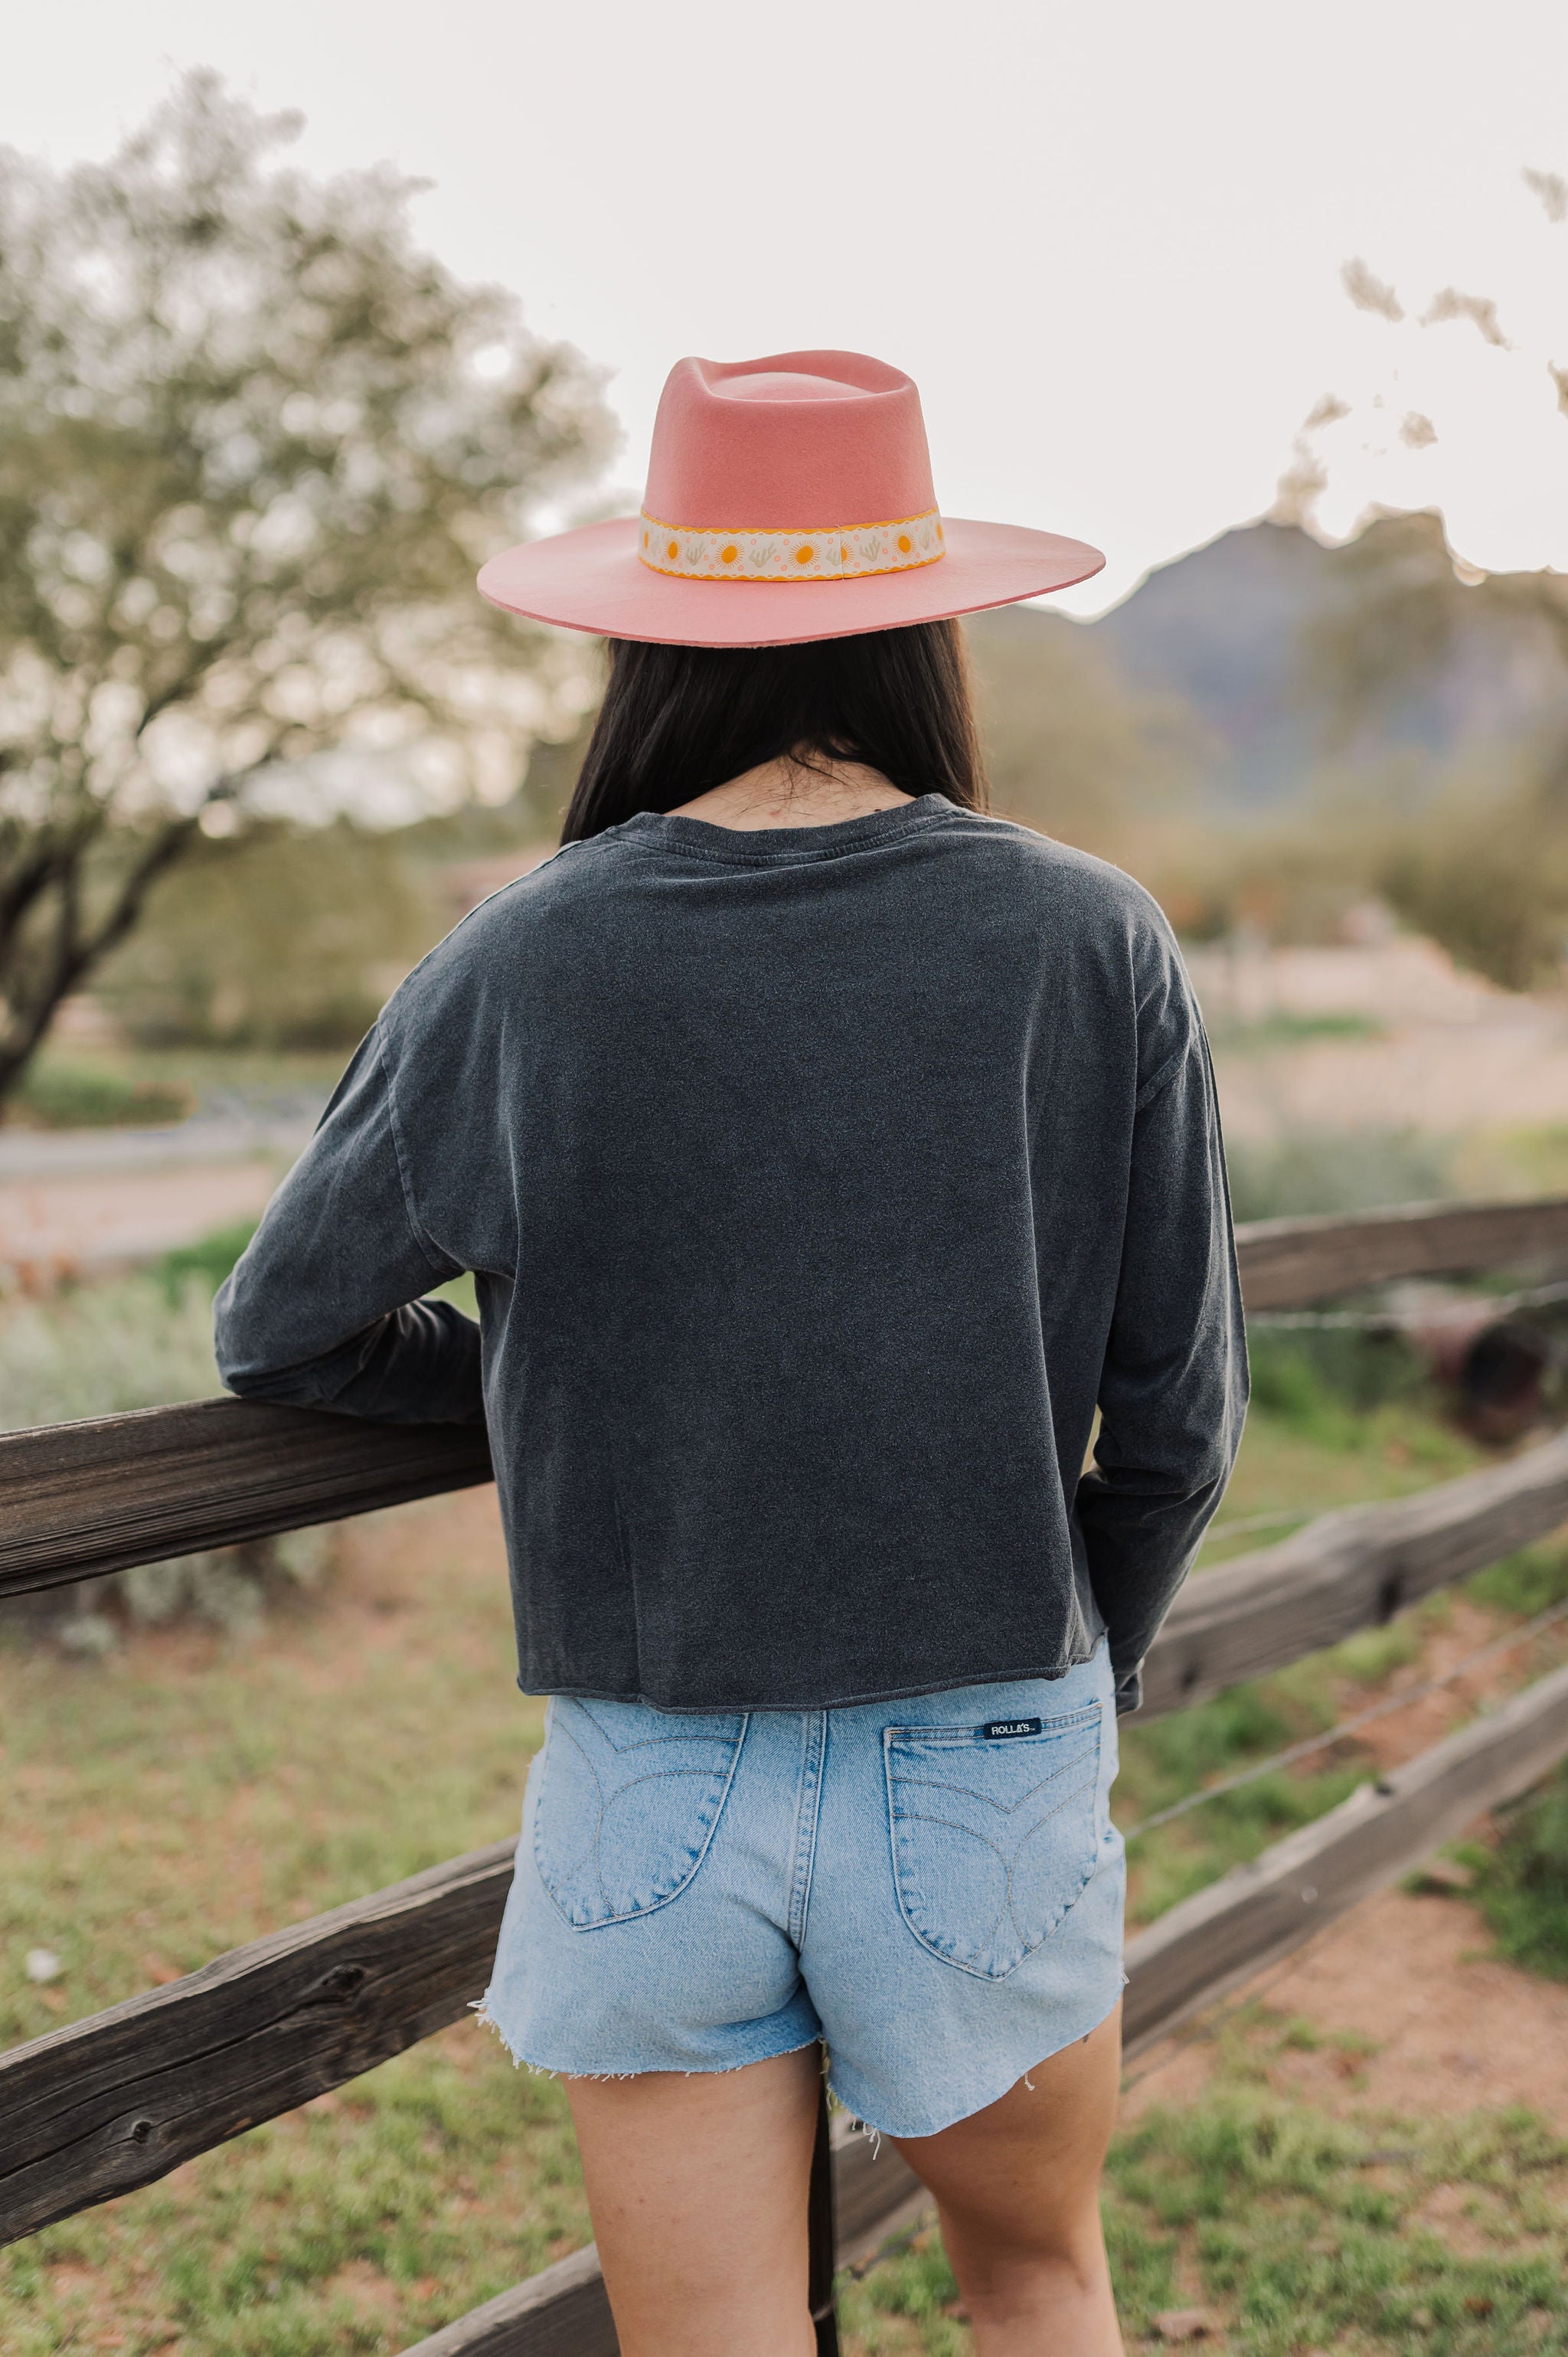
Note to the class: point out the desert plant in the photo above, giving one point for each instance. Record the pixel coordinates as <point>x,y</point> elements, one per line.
<point>252,446</point>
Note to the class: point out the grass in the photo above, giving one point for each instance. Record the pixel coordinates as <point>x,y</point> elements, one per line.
<point>117,1086</point>
<point>1536,1159</point>
<point>355,2225</point>
<point>1343,1170</point>
<point>207,1262</point>
<point>191,1792</point>
<point>196,1788</point>
<point>63,1092</point>
<point>100,1347</point>
<point>1523,1884</point>
<point>1307,1441</point>
<point>97,1348</point>
<point>1285,1031</point>
<point>1297,2232</point>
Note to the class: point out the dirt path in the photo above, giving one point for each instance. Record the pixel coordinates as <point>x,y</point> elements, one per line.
<point>1447,1051</point>
<point>57,1226</point>
<point>1507,1074</point>
<point>1415,2016</point>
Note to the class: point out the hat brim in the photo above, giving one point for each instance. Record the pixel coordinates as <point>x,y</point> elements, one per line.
<point>593,580</point>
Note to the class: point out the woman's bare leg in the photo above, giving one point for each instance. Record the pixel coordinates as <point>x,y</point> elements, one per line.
<point>697,2187</point>
<point>1017,2189</point>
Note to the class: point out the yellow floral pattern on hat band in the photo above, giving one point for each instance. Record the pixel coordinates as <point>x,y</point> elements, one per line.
<point>835,552</point>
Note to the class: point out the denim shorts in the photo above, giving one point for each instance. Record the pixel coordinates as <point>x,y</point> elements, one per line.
<point>931,1886</point>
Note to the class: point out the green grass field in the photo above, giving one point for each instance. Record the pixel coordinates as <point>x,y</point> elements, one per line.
<point>1296,2232</point>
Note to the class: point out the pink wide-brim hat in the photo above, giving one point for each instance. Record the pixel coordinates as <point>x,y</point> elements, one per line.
<point>788,498</point>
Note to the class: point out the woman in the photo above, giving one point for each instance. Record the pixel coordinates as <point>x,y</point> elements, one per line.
<point>826,1152</point>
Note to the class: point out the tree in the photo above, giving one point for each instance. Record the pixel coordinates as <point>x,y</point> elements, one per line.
<point>1069,745</point>
<point>253,444</point>
<point>1486,869</point>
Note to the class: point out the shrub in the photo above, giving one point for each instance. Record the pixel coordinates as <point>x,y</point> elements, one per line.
<point>1337,1170</point>
<point>1523,1885</point>
<point>99,1349</point>
<point>209,1260</point>
<point>56,1094</point>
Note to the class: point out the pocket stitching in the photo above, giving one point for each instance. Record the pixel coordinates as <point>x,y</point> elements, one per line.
<point>695,1857</point>
<point>1068,1722</point>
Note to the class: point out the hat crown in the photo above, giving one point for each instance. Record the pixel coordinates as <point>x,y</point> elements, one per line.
<point>796,441</point>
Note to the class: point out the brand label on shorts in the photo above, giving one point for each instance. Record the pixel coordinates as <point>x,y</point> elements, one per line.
<point>994,1727</point>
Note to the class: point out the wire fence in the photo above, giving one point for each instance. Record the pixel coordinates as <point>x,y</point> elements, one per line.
<point>1458,1311</point>
<point>1346,1728</point>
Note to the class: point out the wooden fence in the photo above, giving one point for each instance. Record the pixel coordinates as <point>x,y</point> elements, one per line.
<point>110,2103</point>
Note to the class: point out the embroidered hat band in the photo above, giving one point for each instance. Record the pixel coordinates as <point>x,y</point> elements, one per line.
<point>831,553</point>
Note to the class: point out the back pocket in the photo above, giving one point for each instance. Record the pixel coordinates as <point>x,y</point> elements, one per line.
<point>627,1801</point>
<point>994,1836</point>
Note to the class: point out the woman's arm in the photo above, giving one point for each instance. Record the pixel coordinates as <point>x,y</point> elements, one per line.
<point>324,1307</point>
<point>1174,1391</point>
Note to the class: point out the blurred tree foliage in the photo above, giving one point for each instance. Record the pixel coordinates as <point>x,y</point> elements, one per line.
<point>282,936</point>
<point>1485,872</point>
<point>252,446</point>
<point>1484,866</point>
<point>1071,749</point>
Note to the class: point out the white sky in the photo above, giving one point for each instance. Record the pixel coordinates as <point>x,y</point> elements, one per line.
<point>1104,239</point>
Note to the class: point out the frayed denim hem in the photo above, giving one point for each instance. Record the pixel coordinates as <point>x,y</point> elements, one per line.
<point>481,2009</point>
<point>991,2092</point>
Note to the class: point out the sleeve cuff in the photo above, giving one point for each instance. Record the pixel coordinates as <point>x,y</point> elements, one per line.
<point>1129,1690</point>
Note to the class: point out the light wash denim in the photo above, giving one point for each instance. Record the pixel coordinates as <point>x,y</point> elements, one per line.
<point>934,1886</point>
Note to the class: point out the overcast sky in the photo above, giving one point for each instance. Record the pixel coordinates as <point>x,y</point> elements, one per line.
<point>1106,240</point>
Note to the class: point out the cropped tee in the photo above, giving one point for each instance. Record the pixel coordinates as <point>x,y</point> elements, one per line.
<point>819,1185</point>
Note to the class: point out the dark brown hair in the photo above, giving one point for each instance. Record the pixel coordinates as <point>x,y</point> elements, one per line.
<point>677,720</point>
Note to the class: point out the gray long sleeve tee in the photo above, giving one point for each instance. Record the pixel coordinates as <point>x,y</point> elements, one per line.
<point>819,1184</point>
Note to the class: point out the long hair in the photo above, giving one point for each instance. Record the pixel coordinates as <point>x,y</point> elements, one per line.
<point>677,720</point>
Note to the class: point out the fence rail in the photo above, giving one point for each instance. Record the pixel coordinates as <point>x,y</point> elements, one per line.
<point>83,1499</point>
<point>111,2103</point>
<point>1351,1569</point>
<point>1290,1263</point>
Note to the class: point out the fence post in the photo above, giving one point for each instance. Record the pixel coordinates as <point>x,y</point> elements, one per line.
<point>823,2260</point>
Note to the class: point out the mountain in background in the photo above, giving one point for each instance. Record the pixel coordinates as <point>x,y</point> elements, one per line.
<point>1220,639</point>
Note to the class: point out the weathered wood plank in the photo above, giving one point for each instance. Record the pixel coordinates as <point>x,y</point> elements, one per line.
<point>113,2103</point>
<point>1288,1264</point>
<point>560,2312</point>
<point>1349,1570</point>
<point>563,2311</point>
<point>79,1498</point>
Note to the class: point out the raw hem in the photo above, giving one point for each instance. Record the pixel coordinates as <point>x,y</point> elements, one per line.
<point>949,1684</point>
<point>480,2006</point>
<point>876,2128</point>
